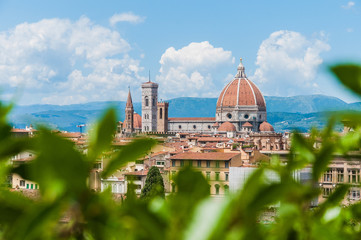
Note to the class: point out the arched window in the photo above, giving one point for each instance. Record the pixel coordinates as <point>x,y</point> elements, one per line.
<point>180,126</point>
<point>160,113</point>
<point>194,126</point>
<point>226,189</point>
<point>146,101</point>
<point>217,189</point>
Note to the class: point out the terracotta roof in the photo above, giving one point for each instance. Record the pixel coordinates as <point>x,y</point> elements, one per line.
<point>213,139</point>
<point>22,130</point>
<point>137,121</point>
<point>159,153</point>
<point>266,127</point>
<point>149,82</point>
<point>187,119</point>
<point>70,134</point>
<point>204,156</point>
<point>247,124</point>
<point>216,124</point>
<point>241,92</point>
<point>226,127</point>
<point>137,173</point>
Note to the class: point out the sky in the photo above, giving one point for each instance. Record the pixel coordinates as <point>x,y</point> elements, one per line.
<point>66,52</point>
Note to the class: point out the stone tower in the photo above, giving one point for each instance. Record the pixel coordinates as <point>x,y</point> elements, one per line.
<point>129,115</point>
<point>149,106</point>
<point>162,117</point>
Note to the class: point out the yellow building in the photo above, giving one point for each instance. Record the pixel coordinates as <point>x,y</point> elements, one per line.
<point>214,166</point>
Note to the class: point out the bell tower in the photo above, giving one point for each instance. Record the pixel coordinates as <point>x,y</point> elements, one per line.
<point>162,119</point>
<point>149,106</point>
<point>129,115</point>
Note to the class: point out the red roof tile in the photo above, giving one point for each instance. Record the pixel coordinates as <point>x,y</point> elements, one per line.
<point>204,156</point>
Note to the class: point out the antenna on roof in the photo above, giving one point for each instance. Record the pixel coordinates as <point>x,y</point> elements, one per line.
<point>149,76</point>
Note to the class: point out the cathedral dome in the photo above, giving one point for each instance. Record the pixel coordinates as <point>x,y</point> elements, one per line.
<point>137,121</point>
<point>241,92</point>
<point>266,127</point>
<point>227,127</point>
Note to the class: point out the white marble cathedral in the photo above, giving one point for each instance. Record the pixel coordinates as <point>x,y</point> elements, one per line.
<point>241,108</point>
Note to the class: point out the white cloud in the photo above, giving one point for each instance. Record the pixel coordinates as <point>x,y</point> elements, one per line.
<point>288,63</point>
<point>60,61</point>
<point>349,5</point>
<point>125,17</point>
<point>191,70</point>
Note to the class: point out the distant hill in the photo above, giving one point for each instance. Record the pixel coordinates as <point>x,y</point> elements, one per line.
<point>284,113</point>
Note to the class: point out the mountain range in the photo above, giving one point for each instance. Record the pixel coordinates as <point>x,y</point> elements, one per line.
<point>284,113</point>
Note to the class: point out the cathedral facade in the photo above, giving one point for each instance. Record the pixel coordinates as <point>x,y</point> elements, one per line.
<point>241,108</point>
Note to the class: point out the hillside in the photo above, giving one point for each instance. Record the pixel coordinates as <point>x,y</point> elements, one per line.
<point>284,113</point>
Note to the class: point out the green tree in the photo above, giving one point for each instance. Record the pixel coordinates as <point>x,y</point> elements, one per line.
<point>154,186</point>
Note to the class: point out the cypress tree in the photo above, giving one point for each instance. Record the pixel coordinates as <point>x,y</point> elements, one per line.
<point>154,186</point>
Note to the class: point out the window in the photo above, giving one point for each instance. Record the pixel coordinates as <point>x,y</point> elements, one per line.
<point>208,176</point>
<point>194,126</point>
<point>36,186</point>
<point>340,175</point>
<point>226,189</point>
<point>153,102</point>
<point>146,101</point>
<point>217,176</point>
<point>199,163</point>
<point>32,186</point>
<point>179,126</point>
<point>246,116</point>
<point>209,126</point>
<point>354,194</point>
<point>217,164</point>
<point>160,163</point>
<point>97,165</point>
<point>229,115</point>
<point>327,192</point>
<point>217,189</point>
<point>327,176</point>
<point>208,163</point>
<point>226,176</point>
<point>181,163</point>
<point>173,163</point>
<point>22,183</point>
<point>353,176</point>
<point>27,186</point>
<point>160,113</point>
<point>226,164</point>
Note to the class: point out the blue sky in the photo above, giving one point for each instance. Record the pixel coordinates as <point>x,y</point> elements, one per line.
<point>63,52</point>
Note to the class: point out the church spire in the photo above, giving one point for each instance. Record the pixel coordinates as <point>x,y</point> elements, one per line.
<point>240,70</point>
<point>129,101</point>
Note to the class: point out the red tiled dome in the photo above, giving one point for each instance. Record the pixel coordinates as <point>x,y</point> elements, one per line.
<point>227,127</point>
<point>247,124</point>
<point>137,121</point>
<point>266,127</point>
<point>241,92</point>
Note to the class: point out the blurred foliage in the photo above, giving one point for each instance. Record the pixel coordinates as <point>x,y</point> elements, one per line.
<point>68,209</point>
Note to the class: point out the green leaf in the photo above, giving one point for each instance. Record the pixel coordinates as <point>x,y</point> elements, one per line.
<point>129,153</point>
<point>349,75</point>
<point>103,135</point>
<point>58,167</point>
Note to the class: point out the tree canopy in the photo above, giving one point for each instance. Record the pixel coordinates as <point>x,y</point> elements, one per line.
<point>154,185</point>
